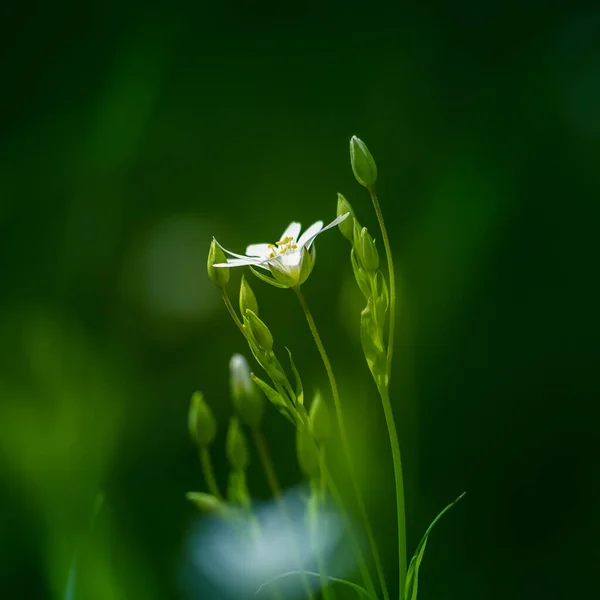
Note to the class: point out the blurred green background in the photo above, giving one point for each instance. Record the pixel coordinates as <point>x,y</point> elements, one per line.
<point>130,134</point>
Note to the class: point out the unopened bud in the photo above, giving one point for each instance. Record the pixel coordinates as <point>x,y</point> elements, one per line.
<point>369,256</point>
<point>320,421</point>
<point>207,503</point>
<point>346,226</point>
<point>201,421</point>
<point>307,453</point>
<point>248,402</point>
<point>218,275</point>
<point>363,164</point>
<point>259,330</point>
<point>236,446</point>
<point>247,298</point>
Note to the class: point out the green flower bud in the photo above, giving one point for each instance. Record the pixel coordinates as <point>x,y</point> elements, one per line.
<point>346,226</point>
<point>356,231</point>
<point>247,298</point>
<point>218,275</point>
<point>237,489</point>
<point>369,257</point>
<point>259,331</point>
<point>363,164</point>
<point>207,503</point>
<point>201,421</point>
<point>320,421</point>
<point>236,446</point>
<point>248,402</point>
<point>307,453</point>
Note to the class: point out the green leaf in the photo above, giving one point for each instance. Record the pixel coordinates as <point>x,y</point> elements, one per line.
<point>268,279</point>
<point>362,279</point>
<point>357,588</point>
<point>370,337</point>
<point>411,586</point>
<point>299,389</point>
<point>274,398</point>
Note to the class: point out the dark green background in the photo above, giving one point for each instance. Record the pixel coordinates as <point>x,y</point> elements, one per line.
<point>130,134</point>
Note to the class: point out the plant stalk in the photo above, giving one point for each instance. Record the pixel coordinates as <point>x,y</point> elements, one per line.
<point>344,438</point>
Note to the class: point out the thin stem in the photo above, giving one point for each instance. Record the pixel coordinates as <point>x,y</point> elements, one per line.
<point>208,473</point>
<point>265,459</point>
<point>390,262</point>
<point>344,438</point>
<point>362,565</point>
<point>232,311</point>
<point>319,491</point>
<point>399,481</point>
<point>387,407</point>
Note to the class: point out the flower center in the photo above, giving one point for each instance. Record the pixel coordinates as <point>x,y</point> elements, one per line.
<point>282,247</point>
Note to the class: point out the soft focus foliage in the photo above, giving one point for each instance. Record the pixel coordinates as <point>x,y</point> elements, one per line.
<point>131,134</point>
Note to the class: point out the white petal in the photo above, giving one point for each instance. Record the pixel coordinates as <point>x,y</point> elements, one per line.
<point>239,262</point>
<point>291,260</point>
<point>292,230</point>
<point>333,223</point>
<point>313,230</point>
<point>229,251</point>
<point>261,250</point>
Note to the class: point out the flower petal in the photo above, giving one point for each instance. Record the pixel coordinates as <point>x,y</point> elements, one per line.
<point>239,262</point>
<point>229,251</point>
<point>333,223</point>
<point>260,250</point>
<point>292,230</point>
<point>313,230</point>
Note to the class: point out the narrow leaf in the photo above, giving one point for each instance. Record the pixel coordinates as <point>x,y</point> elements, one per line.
<point>412,577</point>
<point>268,279</point>
<point>357,588</point>
<point>299,388</point>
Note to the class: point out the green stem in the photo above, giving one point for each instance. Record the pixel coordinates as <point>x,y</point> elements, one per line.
<point>232,311</point>
<point>319,491</point>
<point>344,438</point>
<point>360,559</point>
<point>390,262</point>
<point>399,481</point>
<point>208,473</point>
<point>387,407</point>
<point>265,459</point>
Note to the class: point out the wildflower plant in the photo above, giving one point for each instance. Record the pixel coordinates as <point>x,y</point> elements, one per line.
<point>288,263</point>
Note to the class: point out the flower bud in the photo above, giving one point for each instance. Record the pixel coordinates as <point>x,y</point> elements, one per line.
<point>201,421</point>
<point>218,275</point>
<point>369,257</point>
<point>346,226</point>
<point>247,298</point>
<point>248,402</point>
<point>319,419</point>
<point>237,489</point>
<point>207,503</point>
<point>259,331</point>
<point>307,453</point>
<point>363,165</point>
<point>236,446</point>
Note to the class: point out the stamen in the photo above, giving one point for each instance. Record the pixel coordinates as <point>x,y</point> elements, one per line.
<point>272,255</point>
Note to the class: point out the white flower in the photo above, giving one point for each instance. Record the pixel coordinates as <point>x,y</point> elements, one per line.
<point>290,260</point>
